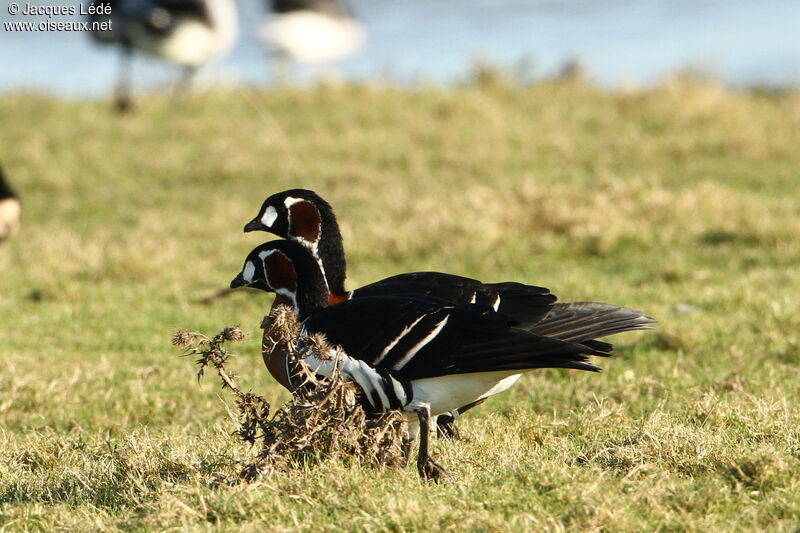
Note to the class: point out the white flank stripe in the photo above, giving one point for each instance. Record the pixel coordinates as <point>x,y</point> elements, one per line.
<point>396,340</point>
<point>362,380</point>
<point>323,367</point>
<point>351,370</point>
<point>399,392</point>
<point>377,383</point>
<point>421,344</point>
<point>474,296</point>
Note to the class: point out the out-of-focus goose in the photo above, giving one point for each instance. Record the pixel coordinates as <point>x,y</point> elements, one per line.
<point>187,32</point>
<point>10,210</point>
<point>313,31</point>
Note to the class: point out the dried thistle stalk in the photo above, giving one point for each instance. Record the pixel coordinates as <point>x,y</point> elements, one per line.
<point>324,418</point>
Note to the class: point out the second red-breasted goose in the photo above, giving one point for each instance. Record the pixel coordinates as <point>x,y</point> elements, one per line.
<point>421,355</point>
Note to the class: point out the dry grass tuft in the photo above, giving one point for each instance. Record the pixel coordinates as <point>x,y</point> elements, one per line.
<point>324,419</point>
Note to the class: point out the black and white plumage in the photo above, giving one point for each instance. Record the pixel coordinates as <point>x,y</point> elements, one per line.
<point>419,354</point>
<point>10,209</point>
<point>313,31</point>
<point>303,216</point>
<point>187,32</point>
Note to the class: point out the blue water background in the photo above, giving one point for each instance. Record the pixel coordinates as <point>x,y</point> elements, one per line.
<point>742,42</point>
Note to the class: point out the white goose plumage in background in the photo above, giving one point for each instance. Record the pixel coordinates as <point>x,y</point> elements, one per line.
<point>313,32</point>
<point>187,32</point>
<point>10,209</point>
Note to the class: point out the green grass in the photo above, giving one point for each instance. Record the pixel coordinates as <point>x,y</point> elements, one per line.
<point>680,200</point>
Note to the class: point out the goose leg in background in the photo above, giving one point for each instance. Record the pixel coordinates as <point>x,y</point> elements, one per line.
<point>188,73</point>
<point>178,94</point>
<point>123,92</point>
<point>280,66</point>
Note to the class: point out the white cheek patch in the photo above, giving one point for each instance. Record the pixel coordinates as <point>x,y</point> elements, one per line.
<point>249,270</point>
<point>269,216</point>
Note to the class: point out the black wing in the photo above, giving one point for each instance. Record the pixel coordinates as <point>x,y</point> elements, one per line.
<point>583,321</point>
<point>416,339</point>
<point>526,304</point>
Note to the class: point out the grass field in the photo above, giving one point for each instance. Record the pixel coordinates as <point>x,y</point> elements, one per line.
<point>680,200</point>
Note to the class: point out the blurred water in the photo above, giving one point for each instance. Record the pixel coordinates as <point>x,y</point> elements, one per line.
<point>740,41</point>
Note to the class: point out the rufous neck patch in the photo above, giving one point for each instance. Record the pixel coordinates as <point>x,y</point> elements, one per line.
<point>304,221</point>
<point>280,272</point>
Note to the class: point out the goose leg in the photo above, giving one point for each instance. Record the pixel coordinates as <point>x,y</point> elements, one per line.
<point>123,92</point>
<point>428,469</point>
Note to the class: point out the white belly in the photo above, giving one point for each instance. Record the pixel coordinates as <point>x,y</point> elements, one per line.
<point>446,393</point>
